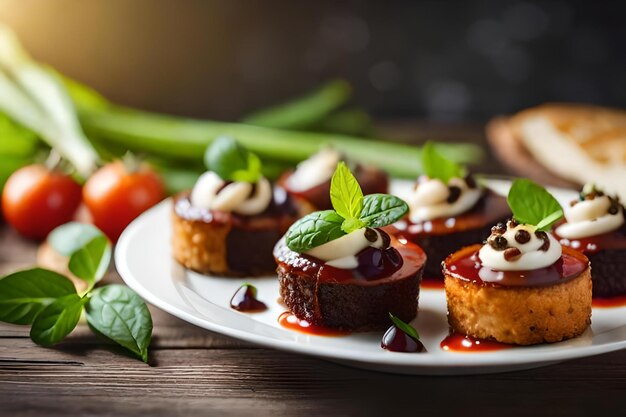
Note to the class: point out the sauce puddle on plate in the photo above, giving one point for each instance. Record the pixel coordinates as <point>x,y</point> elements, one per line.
<point>457,342</point>
<point>291,322</point>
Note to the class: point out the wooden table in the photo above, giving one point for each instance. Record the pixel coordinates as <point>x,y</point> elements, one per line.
<point>196,372</point>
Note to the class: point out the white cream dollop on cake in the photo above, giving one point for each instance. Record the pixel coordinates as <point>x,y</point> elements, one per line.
<point>432,198</point>
<point>519,248</point>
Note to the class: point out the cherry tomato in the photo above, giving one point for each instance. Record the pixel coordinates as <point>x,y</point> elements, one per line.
<point>116,195</point>
<point>35,200</point>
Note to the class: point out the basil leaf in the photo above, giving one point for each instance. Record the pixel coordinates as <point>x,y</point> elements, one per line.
<point>345,193</point>
<point>91,261</point>
<point>406,328</point>
<point>382,209</point>
<point>435,165</point>
<point>118,313</point>
<point>314,230</point>
<point>532,204</point>
<point>253,172</point>
<point>57,320</point>
<point>70,237</point>
<point>350,225</point>
<point>231,161</point>
<point>24,294</point>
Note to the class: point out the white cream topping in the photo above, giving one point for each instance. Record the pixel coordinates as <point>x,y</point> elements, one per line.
<point>341,252</point>
<point>429,200</point>
<point>531,257</point>
<point>589,218</point>
<point>314,171</point>
<point>210,193</point>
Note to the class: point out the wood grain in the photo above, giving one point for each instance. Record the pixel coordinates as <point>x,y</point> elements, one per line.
<point>193,372</point>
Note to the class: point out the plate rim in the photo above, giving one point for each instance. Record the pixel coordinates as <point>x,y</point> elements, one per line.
<point>482,362</point>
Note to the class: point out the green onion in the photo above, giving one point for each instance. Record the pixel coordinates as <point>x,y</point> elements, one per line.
<point>33,96</point>
<point>305,111</point>
<point>177,137</point>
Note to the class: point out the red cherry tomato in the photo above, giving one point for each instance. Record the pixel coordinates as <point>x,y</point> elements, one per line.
<point>115,196</point>
<point>35,200</point>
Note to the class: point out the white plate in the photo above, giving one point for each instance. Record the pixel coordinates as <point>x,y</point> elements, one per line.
<point>144,261</point>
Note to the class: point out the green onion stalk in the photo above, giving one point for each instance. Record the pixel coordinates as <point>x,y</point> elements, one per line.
<point>183,138</point>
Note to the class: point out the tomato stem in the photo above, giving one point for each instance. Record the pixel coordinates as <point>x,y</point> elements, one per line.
<point>53,161</point>
<point>131,162</point>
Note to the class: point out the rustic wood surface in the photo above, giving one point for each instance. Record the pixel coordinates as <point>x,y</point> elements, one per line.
<point>196,372</point>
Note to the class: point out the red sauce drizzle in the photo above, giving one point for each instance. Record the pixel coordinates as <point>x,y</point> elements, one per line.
<point>466,265</point>
<point>412,260</point>
<point>609,302</point>
<point>291,322</point>
<point>245,301</point>
<point>458,342</point>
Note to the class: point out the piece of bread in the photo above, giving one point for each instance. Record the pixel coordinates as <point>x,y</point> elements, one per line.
<point>564,145</point>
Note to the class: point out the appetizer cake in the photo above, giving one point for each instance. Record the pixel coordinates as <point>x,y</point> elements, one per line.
<point>339,269</point>
<point>309,183</point>
<point>590,142</point>
<point>595,226</point>
<point>521,286</point>
<point>447,209</point>
<point>231,220</point>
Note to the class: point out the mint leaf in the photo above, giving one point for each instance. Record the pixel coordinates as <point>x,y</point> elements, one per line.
<point>24,294</point>
<point>350,225</point>
<point>57,320</point>
<point>252,173</point>
<point>314,230</point>
<point>549,220</point>
<point>118,313</point>
<point>382,209</point>
<point>231,161</point>
<point>406,328</point>
<point>345,193</point>
<point>70,237</point>
<point>435,165</point>
<point>91,261</point>
<point>532,204</point>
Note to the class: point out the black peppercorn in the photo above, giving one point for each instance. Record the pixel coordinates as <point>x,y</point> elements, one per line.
<point>512,254</point>
<point>522,236</point>
<point>546,241</point>
<point>371,235</point>
<point>498,242</point>
<point>454,193</point>
<point>498,229</point>
<point>470,181</point>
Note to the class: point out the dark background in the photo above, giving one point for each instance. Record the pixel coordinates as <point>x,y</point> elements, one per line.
<point>436,60</point>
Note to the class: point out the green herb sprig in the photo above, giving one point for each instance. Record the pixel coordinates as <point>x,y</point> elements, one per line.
<point>405,327</point>
<point>48,301</point>
<point>437,166</point>
<point>352,211</point>
<point>231,161</point>
<point>532,204</point>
